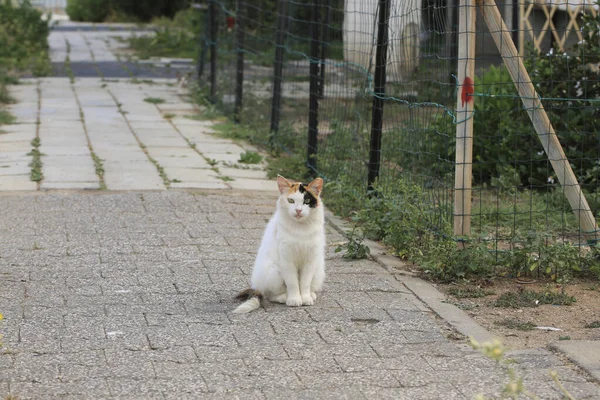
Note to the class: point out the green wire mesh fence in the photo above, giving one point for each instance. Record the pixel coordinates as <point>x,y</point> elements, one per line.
<point>364,93</point>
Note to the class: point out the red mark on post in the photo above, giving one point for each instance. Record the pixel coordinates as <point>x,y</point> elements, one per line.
<point>230,22</point>
<point>467,91</point>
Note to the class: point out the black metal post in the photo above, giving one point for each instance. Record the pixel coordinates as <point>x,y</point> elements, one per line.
<point>313,102</point>
<point>377,114</point>
<point>203,38</point>
<point>278,65</point>
<point>239,76</point>
<point>324,44</point>
<point>212,12</point>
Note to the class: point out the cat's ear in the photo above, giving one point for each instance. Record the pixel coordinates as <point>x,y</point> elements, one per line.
<point>283,183</point>
<point>316,186</point>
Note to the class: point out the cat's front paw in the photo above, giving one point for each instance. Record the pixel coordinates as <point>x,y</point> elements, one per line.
<point>293,301</point>
<point>307,300</point>
<point>313,295</point>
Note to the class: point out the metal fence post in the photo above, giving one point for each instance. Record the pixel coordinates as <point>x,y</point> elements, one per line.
<point>278,65</point>
<point>202,42</point>
<point>239,81</point>
<point>212,12</point>
<point>314,92</point>
<point>324,44</point>
<point>378,98</point>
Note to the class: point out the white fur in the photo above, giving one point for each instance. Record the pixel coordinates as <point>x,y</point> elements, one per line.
<point>290,264</point>
<point>247,306</point>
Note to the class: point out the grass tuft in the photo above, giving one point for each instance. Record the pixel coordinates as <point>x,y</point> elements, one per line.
<point>530,298</point>
<point>154,100</point>
<point>469,292</point>
<point>250,157</point>
<point>593,325</point>
<point>516,324</point>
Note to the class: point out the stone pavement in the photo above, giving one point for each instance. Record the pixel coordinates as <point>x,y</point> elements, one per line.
<point>99,132</point>
<point>127,295</point>
<point>126,292</point>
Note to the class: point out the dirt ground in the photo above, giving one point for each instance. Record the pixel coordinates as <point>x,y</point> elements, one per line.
<point>571,319</point>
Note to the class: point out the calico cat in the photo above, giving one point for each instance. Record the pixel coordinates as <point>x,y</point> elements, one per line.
<point>290,264</point>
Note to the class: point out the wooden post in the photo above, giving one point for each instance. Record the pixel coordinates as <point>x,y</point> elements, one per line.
<point>539,118</point>
<point>464,113</point>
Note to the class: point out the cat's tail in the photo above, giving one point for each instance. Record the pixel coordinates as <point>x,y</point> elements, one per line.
<point>253,299</point>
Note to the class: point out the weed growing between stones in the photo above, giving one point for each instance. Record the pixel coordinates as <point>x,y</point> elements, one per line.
<point>6,118</point>
<point>355,249</point>
<point>36,174</point>
<point>160,169</point>
<point>154,100</point>
<point>250,157</point>
<point>99,169</point>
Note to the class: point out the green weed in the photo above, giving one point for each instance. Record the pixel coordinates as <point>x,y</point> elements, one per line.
<point>99,165</point>
<point>36,164</point>
<point>355,249</point>
<point>593,325</point>
<point>516,324</point>
<point>6,118</point>
<point>250,157</point>
<point>154,100</point>
<point>469,292</point>
<point>530,298</point>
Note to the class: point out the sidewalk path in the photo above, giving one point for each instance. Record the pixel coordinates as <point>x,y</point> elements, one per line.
<point>127,292</point>
<point>119,134</point>
<point>128,295</point>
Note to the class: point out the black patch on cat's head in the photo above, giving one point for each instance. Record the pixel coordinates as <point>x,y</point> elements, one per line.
<point>308,196</point>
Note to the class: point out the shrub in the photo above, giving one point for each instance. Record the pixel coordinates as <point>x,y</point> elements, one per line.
<point>23,37</point>
<point>507,152</point>
<point>132,10</point>
<point>145,10</point>
<point>88,10</point>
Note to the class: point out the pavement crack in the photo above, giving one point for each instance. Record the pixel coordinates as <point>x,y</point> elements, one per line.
<point>159,168</point>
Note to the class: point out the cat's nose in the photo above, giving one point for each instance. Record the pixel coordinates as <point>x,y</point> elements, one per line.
<point>298,212</point>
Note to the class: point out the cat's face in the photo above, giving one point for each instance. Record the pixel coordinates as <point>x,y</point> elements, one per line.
<point>299,199</point>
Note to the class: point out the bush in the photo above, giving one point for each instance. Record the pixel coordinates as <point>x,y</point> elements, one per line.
<point>88,10</point>
<point>133,10</point>
<point>145,10</point>
<point>23,47</point>
<point>507,151</point>
<point>23,37</point>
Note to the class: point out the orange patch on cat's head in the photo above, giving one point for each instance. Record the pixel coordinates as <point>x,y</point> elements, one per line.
<point>311,192</point>
<point>290,187</point>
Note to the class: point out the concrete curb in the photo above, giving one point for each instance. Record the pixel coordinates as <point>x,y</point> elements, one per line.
<point>424,291</point>
<point>584,353</point>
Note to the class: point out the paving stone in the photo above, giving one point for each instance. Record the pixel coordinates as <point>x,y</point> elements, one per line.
<point>130,293</point>
<point>17,182</point>
<point>252,184</point>
<point>243,173</point>
<point>191,174</point>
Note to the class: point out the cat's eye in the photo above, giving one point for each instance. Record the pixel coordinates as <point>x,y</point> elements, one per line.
<point>306,201</point>
<point>291,201</point>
